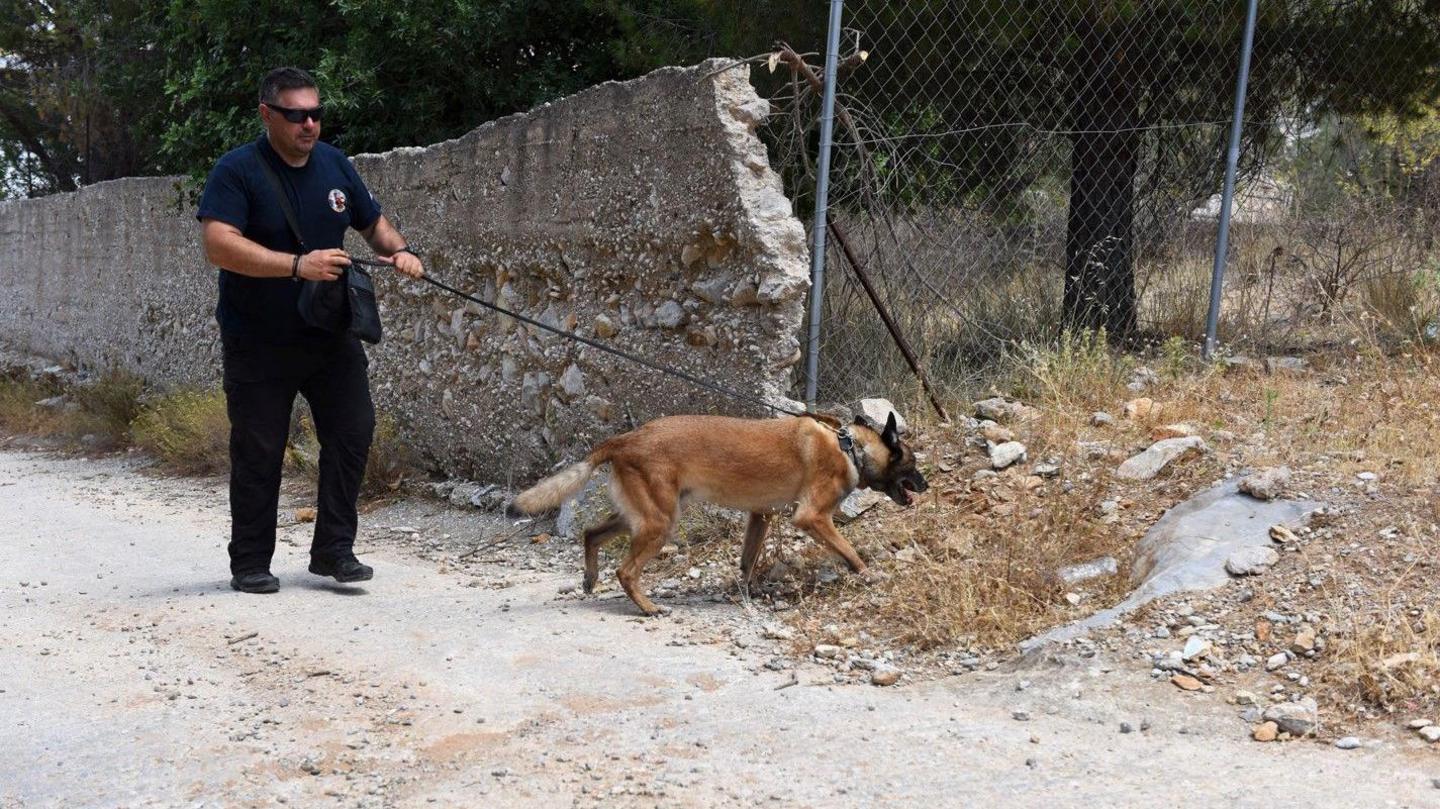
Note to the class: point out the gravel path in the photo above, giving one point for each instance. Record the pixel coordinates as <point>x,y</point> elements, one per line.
<point>132,676</point>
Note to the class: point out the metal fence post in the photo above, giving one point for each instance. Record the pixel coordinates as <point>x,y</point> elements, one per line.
<point>822,201</point>
<point>1232,159</point>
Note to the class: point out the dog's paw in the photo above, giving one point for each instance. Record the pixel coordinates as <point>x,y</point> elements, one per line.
<point>873,575</point>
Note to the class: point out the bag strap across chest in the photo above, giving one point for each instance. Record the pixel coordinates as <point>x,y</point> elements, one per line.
<point>282,198</point>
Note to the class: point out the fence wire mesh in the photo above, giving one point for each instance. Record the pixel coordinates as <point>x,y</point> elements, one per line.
<point>1003,171</point>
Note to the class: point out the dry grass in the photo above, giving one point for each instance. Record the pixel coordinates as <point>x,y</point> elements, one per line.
<point>983,553</point>
<point>1073,377</point>
<point>391,461</point>
<point>1362,412</point>
<point>99,411</point>
<point>19,415</point>
<point>1403,306</point>
<point>187,430</point>
<point>980,572</point>
<point>972,576</point>
<point>1386,658</point>
<point>105,409</point>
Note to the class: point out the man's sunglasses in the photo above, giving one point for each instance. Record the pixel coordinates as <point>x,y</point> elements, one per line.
<point>297,116</point>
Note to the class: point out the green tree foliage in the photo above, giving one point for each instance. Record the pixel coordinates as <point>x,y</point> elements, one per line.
<point>102,88</point>
<point>76,77</point>
<point>391,73</point>
<point>95,89</point>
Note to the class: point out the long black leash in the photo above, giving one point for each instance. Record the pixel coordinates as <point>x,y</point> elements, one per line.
<point>638,360</point>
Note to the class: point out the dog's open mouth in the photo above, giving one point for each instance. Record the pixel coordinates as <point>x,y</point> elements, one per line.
<point>900,493</point>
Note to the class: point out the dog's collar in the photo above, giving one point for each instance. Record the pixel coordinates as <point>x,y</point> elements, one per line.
<point>854,452</point>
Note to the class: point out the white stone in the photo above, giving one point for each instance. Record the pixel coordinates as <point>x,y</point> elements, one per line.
<point>573,381</point>
<point>1296,718</point>
<point>1266,484</point>
<point>1094,569</point>
<point>1195,647</point>
<point>878,410</point>
<point>670,315</point>
<point>996,409</point>
<point>858,502</point>
<point>1003,455</point>
<point>1149,463</point>
<point>1251,561</point>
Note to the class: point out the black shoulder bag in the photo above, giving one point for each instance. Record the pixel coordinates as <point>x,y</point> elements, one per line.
<point>344,306</point>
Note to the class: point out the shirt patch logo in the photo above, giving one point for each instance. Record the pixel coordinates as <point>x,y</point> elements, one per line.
<point>337,200</point>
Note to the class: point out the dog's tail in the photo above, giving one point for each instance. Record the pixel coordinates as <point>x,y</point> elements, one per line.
<point>556,489</point>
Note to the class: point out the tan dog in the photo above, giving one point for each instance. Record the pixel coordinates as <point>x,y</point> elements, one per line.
<point>755,465</point>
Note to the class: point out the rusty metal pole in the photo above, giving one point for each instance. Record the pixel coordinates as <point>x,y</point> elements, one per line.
<point>895,334</point>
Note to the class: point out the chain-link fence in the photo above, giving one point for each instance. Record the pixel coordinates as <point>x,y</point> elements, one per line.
<point>1003,171</point>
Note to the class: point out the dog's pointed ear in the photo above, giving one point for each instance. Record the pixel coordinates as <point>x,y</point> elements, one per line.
<point>891,434</point>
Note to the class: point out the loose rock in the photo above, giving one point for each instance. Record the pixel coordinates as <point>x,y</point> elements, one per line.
<point>1290,365</point>
<point>1186,683</point>
<point>1194,647</point>
<point>1251,561</point>
<point>1149,463</point>
<point>1173,431</point>
<point>1142,408</point>
<point>884,676</point>
<point>878,410</point>
<point>1267,484</point>
<point>996,409</point>
<point>1093,569</point>
<point>1283,535</point>
<point>996,434</point>
<point>1304,642</point>
<point>1006,454</point>
<point>1296,718</point>
<point>858,502</point>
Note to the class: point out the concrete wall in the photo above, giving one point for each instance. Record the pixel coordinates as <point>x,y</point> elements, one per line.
<point>642,213</point>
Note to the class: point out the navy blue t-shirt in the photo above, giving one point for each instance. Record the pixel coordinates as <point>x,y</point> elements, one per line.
<point>327,196</point>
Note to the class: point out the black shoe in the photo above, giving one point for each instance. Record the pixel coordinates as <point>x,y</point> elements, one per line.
<point>261,582</point>
<point>343,570</point>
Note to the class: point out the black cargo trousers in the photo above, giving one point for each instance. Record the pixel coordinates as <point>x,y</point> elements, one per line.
<point>261,381</point>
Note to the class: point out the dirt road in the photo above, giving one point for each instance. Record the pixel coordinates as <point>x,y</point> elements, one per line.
<point>131,675</point>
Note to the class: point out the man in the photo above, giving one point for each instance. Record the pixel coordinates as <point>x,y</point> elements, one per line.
<point>270,353</point>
